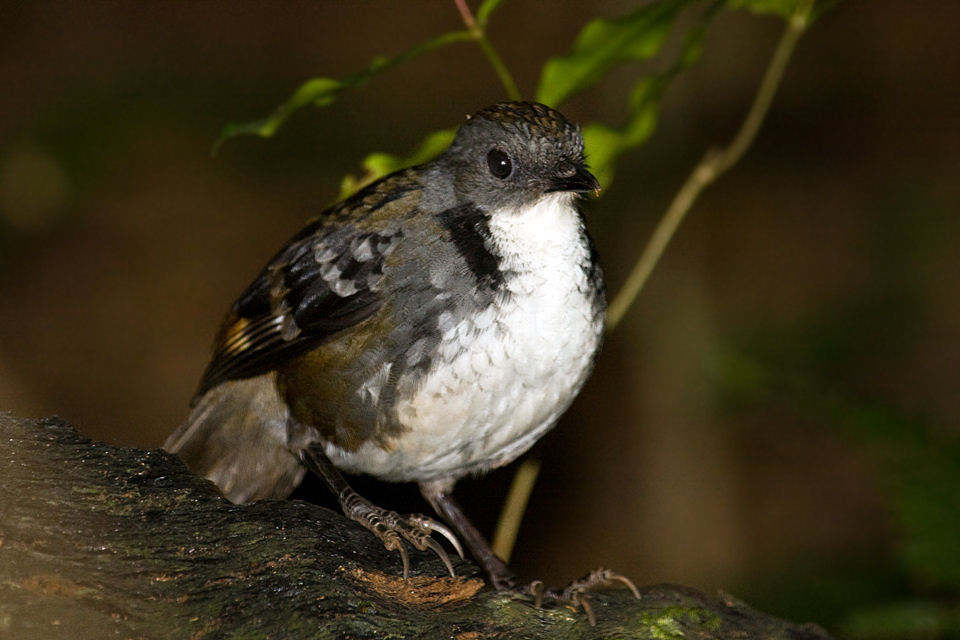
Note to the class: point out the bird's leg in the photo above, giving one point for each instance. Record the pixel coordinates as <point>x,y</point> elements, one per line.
<point>390,527</point>
<point>438,494</point>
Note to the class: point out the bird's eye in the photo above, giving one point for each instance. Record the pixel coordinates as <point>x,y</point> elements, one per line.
<point>499,163</point>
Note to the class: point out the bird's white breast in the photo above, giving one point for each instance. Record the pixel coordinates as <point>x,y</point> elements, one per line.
<point>502,376</point>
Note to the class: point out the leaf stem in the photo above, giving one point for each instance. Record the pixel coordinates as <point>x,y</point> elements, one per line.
<point>501,69</point>
<point>465,14</point>
<point>477,32</point>
<point>508,525</point>
<point>714,163</point>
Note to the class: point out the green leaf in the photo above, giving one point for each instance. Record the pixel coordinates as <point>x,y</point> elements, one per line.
<point>644,109</point>
<point>322,91</point>
<point>602,44</point>
<point>378,165</point>
<point>604,144</point>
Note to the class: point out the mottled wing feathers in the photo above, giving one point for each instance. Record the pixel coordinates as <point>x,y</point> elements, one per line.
<point>325,280</point>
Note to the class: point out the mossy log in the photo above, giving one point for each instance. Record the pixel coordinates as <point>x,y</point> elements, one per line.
<point>99,541</point>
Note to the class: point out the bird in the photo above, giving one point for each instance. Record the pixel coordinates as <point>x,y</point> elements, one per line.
<point>432,326</point>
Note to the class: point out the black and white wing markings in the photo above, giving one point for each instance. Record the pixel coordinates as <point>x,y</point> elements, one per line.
<point>323,281</point>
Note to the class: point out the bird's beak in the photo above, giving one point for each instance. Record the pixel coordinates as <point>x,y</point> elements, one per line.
<point>574,177</point>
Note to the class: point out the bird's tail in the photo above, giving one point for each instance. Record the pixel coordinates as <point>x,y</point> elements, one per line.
<point>238,436</point>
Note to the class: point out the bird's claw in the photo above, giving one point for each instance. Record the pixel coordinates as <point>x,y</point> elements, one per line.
<point>395,531</point>
<point>575,593</point>
<point>432,525</point>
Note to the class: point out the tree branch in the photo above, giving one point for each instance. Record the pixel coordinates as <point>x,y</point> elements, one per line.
<point>98,541</point>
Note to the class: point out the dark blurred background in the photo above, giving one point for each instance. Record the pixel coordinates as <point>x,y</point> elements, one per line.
<point>778,414</point>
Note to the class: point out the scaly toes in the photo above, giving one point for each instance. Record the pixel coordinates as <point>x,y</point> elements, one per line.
<point>598,578</point>
<point>575,593</point>
<point>395,531</point>
<point>418,531</point>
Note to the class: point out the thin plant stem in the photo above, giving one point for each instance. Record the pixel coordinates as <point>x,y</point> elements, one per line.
<point>465,14</point>
<point>508,525</point>
<point>513,92</point>
<point>713,164</point>
<point>477,32</point>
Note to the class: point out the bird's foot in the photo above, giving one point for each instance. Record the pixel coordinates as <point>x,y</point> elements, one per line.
<point>575,593</point>
<point>396,531</point>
